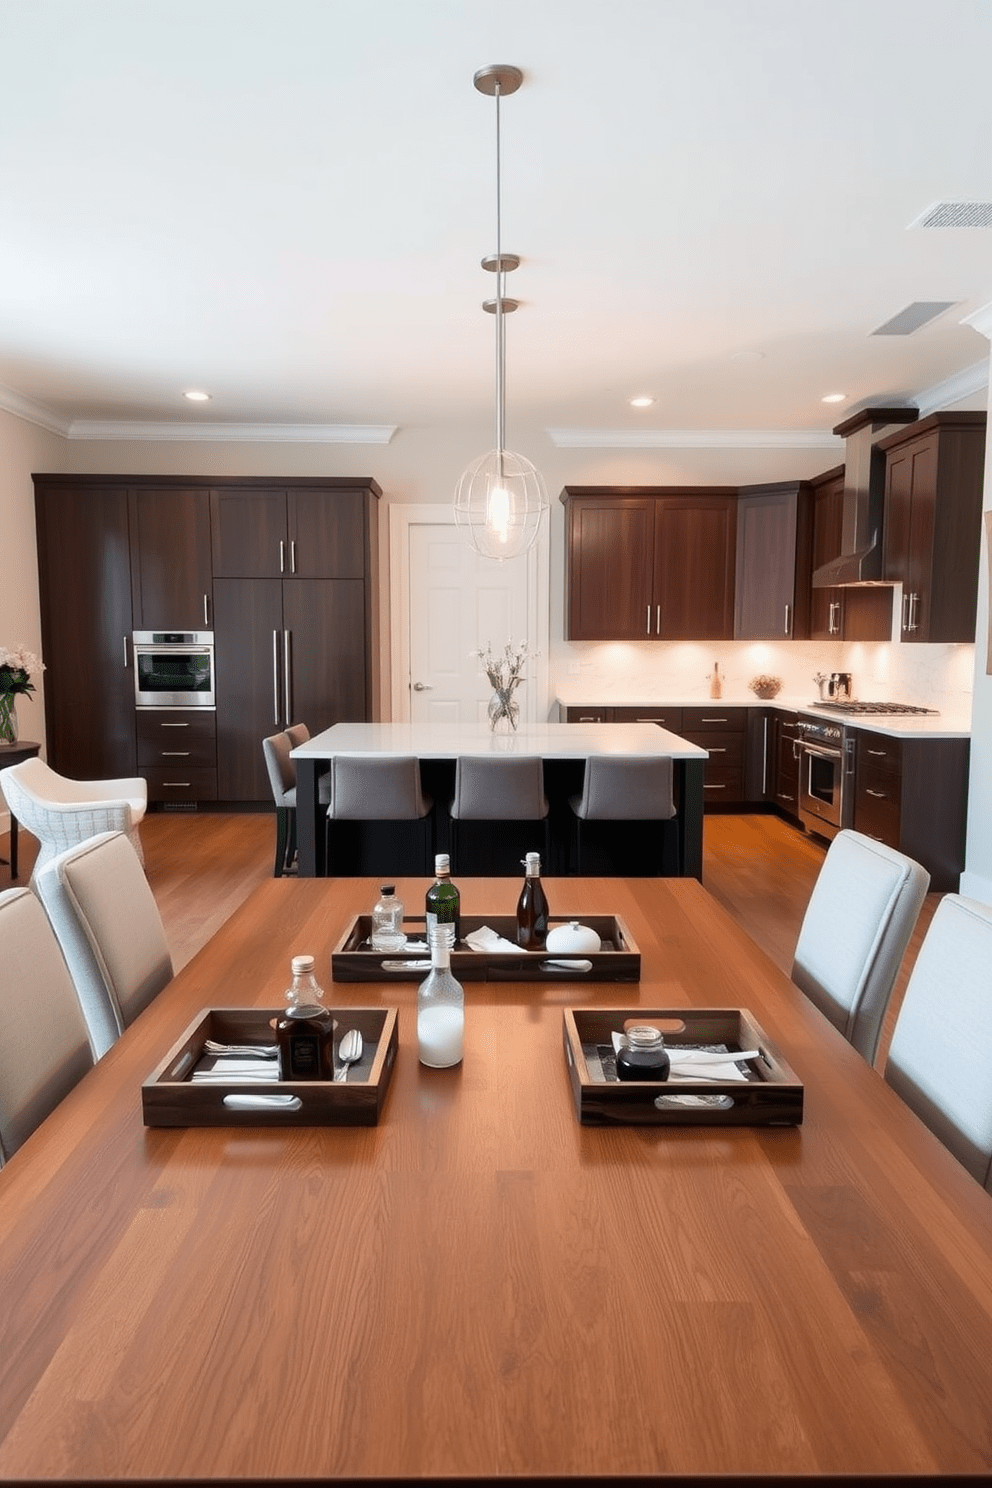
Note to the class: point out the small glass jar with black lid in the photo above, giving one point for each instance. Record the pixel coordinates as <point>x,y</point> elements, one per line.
<point>644,1056</point>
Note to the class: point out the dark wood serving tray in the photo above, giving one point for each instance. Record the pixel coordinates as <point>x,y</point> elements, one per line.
<point>169,1098</point>
<point>618,960</point>
<point>771,1096</point>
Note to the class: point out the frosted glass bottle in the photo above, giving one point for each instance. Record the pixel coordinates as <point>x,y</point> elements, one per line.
<point>440,1008</point>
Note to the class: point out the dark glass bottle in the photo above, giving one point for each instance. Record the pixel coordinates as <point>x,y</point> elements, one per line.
<point>644,1057</point>
<point>532,907</point>
<point>306,1040</point>
<point>443,902</point>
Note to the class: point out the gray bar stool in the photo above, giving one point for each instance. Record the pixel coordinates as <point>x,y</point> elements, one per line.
<point>504,794</point>
<point>282,780</point>
<point>372,789</point>
<point>627,789</point>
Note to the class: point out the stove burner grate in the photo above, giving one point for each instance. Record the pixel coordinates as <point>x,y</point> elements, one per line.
<point>876,709</point>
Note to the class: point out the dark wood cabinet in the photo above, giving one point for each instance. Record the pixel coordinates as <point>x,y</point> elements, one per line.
<point>723,732</point>
<point>171,576</point>
<point>316,532</point>
<point>301,645</point>
<point>774,562</point>
<point>843,614</point>
<point>786,787</point>
<point>649,563</point>
<point>84,573</point>
<point>912,794</point>
<point>932,532</point>
<point>177,753</point>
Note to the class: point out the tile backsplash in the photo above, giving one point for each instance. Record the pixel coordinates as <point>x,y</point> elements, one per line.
<point>611,671</point>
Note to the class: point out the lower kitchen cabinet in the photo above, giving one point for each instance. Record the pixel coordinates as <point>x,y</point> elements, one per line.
<point>785,785</point>
<point>912,794</point>
<point>177,753</point>
<point>723,732</point>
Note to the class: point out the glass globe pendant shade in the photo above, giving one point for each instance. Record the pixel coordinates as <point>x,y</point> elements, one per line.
<point>499,501</point>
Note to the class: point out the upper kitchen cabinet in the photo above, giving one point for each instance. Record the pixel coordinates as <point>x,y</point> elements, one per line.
<point>170,558</point>
<point>774,562</point>
<point>84,577</point>
<point>932,529</point>
<point>842,614</point>
<point>649,563</point>
<point>312,530</point>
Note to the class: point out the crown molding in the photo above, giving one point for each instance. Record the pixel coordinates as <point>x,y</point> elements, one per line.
<point>981,319</point>
<point>32,413</point>
<point>233,433</point>
<point>693,439</point>
<point>959,385</point>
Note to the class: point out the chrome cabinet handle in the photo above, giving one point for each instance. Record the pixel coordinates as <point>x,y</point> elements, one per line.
<point>879,795</point>
<point>287,673</point>
<point>657,619</point>
<point>206,609</point>
<point>714,720</point>
<point>292,556</point>
<point>905,612</point>
<point>125,653</point>
<point>832,628</point>
<point>176,784</point>
<point>881,753</point>
<point>282,556</point>
<point>914,604</point>
<point>175,725</point>
<point>176,753</point>
<point>647,627</point>
<point>787,609</point>
<point>718,749</point>
<point>275,678</point>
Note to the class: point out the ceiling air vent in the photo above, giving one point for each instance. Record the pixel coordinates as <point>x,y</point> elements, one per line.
<point>956,214</point>
<point>908,320</point>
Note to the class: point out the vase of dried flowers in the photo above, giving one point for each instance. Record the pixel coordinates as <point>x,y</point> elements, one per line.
<point>505,673</point>
<point>16,667</point>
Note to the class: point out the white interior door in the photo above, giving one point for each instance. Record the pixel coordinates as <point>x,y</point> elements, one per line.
<point>455,602</point>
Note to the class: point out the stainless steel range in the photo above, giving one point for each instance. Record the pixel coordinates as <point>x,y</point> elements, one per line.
<point>826,762</point>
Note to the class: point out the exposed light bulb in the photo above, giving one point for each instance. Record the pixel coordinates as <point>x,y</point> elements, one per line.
<point>498,513</point>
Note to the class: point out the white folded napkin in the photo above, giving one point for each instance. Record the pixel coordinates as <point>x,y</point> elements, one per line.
<point>485,939</point>
<point>237,1071</point>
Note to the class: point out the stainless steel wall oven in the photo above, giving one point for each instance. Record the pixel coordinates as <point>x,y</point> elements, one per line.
<point>174,669</point>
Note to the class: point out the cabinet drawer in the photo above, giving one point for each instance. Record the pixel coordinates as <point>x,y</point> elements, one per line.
<point>722,783</point>
<point>184,738</point>
<point>667,718</point>
<point>714,717</point>
<point>724,749</point>
<point>588,715</point>
<point>877,805</point>
<point>180,784</point>
<point>876,752</point>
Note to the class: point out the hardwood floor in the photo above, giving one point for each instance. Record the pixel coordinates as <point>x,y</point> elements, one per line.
<point>201,866</point>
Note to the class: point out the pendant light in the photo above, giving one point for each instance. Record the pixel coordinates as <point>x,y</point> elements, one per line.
<point>500,498</point>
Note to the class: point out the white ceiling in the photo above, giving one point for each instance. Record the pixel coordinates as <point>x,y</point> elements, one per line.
<point>285,202</point>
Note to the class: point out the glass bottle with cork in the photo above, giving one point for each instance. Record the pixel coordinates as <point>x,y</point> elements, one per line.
<point>305,1028</point>
<point>440,1007</point>
<point>387,921</point>
<point>532,907</point>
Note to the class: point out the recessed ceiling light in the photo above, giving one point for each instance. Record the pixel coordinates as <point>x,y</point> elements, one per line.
<point>747,356</point>
<point>833,397</point>
<point>642,402</point>
<point>197,397</point>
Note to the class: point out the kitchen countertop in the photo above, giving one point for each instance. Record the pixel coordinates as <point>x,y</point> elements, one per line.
<point>448,740</point>
<point>948,724</point>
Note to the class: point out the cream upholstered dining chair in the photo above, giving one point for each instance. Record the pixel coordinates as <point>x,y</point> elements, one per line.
<point>375,788</point>
<point>858,922</point>
<point>939,1060</point>
<point>505,795</point>
<point>104,914</point>
<point>629,788</point>
<point>44,1047</point>
<point>61,812</point>
<point>282,780</point>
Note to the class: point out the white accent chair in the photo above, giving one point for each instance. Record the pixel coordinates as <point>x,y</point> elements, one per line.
<point>858,922</point>
<point>44,1047</point>
<point>103,912</point>
<point>61,812</point>
<point>939,1059</point>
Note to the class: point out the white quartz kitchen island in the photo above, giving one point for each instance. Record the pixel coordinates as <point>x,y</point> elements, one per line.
<point>549,741</point>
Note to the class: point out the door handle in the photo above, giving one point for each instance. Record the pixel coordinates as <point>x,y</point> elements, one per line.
<point>423,687</point>
<point>287,678</point>
<point>275,678</point>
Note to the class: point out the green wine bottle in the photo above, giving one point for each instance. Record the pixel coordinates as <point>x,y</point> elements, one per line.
<point>443,903</point>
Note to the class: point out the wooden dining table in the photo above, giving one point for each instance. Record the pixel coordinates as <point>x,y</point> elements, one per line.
<point>479,1287</point>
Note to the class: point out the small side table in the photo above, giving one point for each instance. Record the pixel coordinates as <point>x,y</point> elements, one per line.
<point>13,754</point>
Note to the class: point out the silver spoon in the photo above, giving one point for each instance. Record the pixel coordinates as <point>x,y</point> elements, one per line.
<point>349,1049</point>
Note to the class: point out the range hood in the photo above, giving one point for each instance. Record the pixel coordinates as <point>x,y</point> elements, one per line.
<point>864,497</point>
